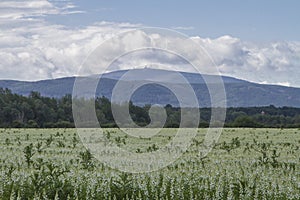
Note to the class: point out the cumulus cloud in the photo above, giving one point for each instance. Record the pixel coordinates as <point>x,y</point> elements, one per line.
<point>275,63</point>
<point>32,48</point>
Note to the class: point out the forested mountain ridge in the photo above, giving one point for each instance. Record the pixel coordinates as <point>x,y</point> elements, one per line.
<point>239,93</point>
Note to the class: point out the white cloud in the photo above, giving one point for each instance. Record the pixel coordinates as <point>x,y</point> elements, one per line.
<point>32,48</point>
<point>183,28</point>
<point>24,10</point>
<point>12,10</point>
<point>287,84</point>
<point>276,63</point>
<point>37,4</point>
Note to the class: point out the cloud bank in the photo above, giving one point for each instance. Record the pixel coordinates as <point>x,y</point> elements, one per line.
<point>31,48</point>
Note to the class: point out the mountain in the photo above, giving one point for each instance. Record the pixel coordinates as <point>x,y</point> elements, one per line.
<point>239,93</point>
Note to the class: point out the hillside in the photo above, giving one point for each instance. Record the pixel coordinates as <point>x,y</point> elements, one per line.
<point>239,93</point>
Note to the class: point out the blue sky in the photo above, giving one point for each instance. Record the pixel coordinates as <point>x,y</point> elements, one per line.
<point>253,40</point>
<point>254,20</point>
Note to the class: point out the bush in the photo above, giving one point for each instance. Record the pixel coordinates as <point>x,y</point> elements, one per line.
<point>17,124</point>
<point>32,124</point>
<point>246,121</point>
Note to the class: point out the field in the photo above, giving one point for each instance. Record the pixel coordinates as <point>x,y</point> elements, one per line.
<point>244,164</point>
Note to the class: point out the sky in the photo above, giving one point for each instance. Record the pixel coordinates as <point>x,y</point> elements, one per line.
<point>253,40</point>
<point>256,20</point>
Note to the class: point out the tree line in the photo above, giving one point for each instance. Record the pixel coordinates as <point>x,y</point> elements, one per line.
<point>37,111</point>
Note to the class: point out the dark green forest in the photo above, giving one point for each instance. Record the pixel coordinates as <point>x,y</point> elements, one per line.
<point>36,111</point>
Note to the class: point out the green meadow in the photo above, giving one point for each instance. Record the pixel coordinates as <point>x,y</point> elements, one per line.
<point>244,163</point>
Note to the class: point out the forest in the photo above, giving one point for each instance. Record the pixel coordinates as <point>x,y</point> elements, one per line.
<point>37,111</point>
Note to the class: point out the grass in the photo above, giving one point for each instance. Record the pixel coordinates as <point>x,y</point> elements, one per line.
<point>244,164</point>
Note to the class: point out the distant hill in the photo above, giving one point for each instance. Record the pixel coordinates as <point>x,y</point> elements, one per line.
<point>239,93</point>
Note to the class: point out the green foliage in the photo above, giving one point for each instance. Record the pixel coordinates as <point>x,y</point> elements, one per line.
<point>39,146</point>
<point>36,111</point>
<point>75,140</point>
<point>49,141</point>
<point>235,143</point>
<point>122,186</point>
<point>86,159</point>
<point>28,153</point>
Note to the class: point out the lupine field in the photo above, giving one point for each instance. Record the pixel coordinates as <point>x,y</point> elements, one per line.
<point>244,164</point>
